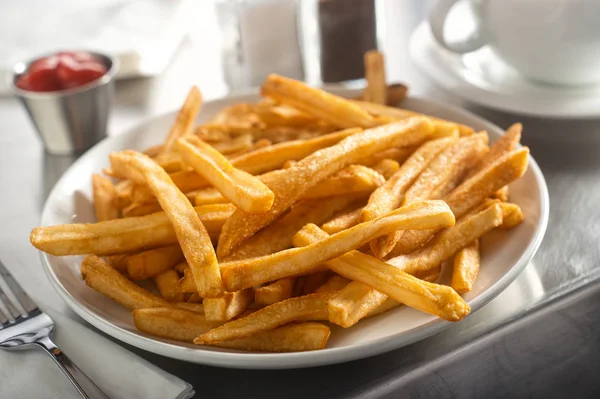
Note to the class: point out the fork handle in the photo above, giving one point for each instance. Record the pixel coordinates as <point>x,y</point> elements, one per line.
<point>84,385</point>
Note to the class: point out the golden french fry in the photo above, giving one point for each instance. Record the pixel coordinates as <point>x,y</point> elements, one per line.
<point>470,193</point>
<point>246,191</point>
<point>396,154</point>
<point>185,118</point>
<point>290,338</point>
<point>354,302</point>
<point>395,94</point>
<point>431,275</point>
<point>209,196</point>
<point>136,209</point>
<point>117,262</point>
<point>512,215</point>
<point>239,143</point>
<point>441,126</point>
<point>432,298</point>
<point>376,90</point>
<point>387,168</point>
<point>308,307</point>
<point>278,235</point>
<point>106,280</point>
<point>354,180</point>
<point>258,145</point>
<point>391,194</point>
<point>180,267</point>
<point>169,323</point>
<point>155,150</point>
<point>449,241</point>
<point>123,193</point>
<point>314,281</point>
<point>153,262</point>
<point>328,107</point>
<point>389,304</point>
<point>501,194</point>
<point>343,221</point>
<point>289,185</point>
<point>249,272</point>
<point>273,157</point>
<point>335,283</point>
<point>275,292</point>
<point>193,297</point>
<point>466,268</point>
<point>121,235</point>
<point>105,198</point>
<point>185,180</point>
<point>228,306</point>
<point>187,283</point>
<point>445,171</point>
<point>167,284</point>
<point>170,161</point>
<point>191,233</point>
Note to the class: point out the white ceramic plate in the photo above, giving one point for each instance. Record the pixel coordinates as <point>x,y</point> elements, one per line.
<point>483,78</point>
<point>505,254</point>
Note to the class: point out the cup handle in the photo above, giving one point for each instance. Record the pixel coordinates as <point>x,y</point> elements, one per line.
<point>437,19</point>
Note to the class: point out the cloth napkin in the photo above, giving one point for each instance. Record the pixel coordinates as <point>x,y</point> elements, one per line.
<point>119,373</point>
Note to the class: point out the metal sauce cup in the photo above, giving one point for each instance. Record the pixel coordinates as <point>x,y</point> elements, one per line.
<point>70,121</point>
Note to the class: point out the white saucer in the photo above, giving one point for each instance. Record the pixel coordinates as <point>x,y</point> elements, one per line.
<point>482,78</point>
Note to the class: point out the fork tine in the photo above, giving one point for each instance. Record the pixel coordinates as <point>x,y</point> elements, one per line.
<point>5,288</point>
<point>5,314</point>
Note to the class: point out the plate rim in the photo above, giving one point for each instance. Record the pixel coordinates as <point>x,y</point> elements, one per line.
<point>474,94</point>
<point>296,359</point>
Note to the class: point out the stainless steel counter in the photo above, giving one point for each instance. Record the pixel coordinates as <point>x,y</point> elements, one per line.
<point>538,338</point>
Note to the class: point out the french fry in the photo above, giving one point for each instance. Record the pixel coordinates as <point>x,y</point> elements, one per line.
<point>153,262</point>
<point>247,273</point>
<point>273,157</point>
<point>167,284</point>
<point>505,144</point>
<point>466,268</point>
<point>171,162</point>
<point>354,302</point>
<point>396,154</point>
<point>441,126</point>
<point>278,291</point>
<point>180,267</point>
<point>106,280</point>
<point>354,179</point>
<point>123,193</point>
<point>136,209</point>
<point>445,171</point>
<point>432,298</point>
<point>194,298</point>
<point>117,262</point>
<point>376,90</point>
<point>257,145</point>
<point>449,241</point>
<point>512,215</point>
<point>314,168</point>
<point>243,114</point>
<point>228,306</point>
<point>387,168</point>
<point>155,150</point>
<point>335,283</point>
<point>343,221</point>
<point>389,304</point>
<point>314,281</point>
<point>239,143</point>
<point>185,180</point>
<point>169,323</point>
<point>105,198</point>
<point>245,191</point>
<point>191,233</point>
<point>290,338</point>
<point>121,235</point>
<point>185,118</point>
<point>187,283</point>
<point>332,109</point>
<point>395,94</point>
<point>278,235</point>
<point>308,307</point>
<point>470,193</point>
<point>391,194</point>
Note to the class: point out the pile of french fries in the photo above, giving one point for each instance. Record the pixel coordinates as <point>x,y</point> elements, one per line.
<point>275,220</point>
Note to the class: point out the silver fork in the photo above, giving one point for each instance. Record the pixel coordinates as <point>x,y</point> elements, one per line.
<point>23,324</point>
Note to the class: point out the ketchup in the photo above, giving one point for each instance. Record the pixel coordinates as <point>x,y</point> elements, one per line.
<point>64,70</point>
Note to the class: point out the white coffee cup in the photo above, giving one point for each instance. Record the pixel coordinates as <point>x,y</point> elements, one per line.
<point>551,41</point>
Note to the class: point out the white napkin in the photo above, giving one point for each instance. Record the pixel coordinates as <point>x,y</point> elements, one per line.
<point>119,373</point>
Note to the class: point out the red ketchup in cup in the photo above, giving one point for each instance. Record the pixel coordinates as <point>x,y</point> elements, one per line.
<point>62,71</point>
